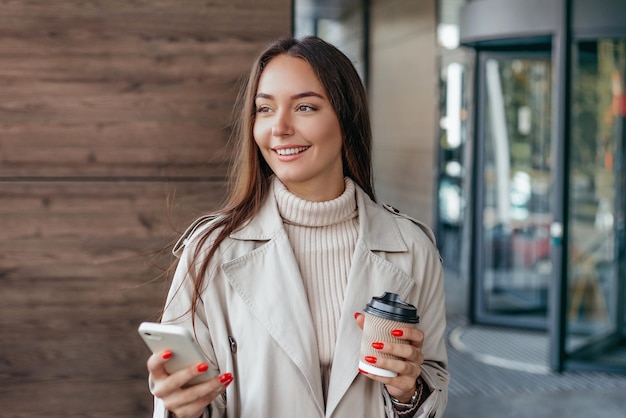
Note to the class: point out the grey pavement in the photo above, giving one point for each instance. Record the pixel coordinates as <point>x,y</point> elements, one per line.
<point>550,404</point>
<point>501,372</point>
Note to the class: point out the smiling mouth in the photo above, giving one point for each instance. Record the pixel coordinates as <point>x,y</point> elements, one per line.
<point>291,151</point>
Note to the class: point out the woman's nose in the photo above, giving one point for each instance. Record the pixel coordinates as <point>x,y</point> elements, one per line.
<point>282,125</point>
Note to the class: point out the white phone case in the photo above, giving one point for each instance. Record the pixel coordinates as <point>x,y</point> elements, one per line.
<point>177,339</point>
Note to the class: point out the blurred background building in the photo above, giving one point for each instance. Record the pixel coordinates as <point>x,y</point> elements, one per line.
<point>501,122</point>
<point>498,122</point>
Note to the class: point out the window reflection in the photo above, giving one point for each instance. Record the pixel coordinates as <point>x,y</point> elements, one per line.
<point>452,174</point>
<point>596,189</point>
<point>517,177</point>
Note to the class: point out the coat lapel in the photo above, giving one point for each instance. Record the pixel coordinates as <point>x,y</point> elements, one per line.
<point>268,280</point>
<point>370,275</point>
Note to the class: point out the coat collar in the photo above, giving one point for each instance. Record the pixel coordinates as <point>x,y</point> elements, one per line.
<point>269,280</point>
<point>377,229</point>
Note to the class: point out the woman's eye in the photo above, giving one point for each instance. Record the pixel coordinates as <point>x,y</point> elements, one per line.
<point>305,108</point>
<point>262,109</point>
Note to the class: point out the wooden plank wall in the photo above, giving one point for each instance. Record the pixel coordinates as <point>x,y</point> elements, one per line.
<point>114,121</point>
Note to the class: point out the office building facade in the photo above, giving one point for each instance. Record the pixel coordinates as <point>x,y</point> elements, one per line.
<point>514,112</point>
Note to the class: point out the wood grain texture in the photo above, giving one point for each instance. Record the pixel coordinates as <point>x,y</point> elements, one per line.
<point>81,265</point>
<point>110,88</point>
<point>114,124</point>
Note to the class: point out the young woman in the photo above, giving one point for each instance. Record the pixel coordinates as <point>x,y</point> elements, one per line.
<point>272,284</point>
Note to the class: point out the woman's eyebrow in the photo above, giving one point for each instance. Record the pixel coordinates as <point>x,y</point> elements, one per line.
<point>294,97</point>
<point>306,94</point>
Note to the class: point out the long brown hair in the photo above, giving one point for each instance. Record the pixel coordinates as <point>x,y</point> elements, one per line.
<point>250,174</point>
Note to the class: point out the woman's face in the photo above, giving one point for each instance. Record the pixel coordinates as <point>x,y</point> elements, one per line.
<point>297,130</point>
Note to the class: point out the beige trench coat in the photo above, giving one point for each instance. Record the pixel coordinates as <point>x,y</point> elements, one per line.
<point>254,320</point>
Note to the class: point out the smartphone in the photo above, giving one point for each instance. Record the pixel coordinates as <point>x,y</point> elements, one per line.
<point>161,337</point>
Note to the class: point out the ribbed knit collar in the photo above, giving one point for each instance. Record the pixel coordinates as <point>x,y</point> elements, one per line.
<point>297,211</point>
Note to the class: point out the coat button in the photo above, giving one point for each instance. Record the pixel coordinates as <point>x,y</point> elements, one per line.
<point>233,344</point>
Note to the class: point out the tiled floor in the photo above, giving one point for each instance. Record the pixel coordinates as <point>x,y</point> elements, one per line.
<point>491,360</point>
<point>504,373</point>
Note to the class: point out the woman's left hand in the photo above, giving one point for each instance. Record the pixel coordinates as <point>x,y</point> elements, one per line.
<point>402,387</point>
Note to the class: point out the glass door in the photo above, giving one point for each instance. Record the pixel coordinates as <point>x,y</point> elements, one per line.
<point>597,198</point>
<point>512,268</point>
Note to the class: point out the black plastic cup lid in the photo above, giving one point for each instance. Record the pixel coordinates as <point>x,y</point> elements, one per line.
<point>390,306</point>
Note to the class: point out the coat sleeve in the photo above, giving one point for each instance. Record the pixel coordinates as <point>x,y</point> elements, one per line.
<point>177,311</point>
<point>429,296</point>
<point>433,323</point>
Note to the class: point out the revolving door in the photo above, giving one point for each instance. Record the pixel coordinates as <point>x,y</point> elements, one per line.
<point>548,248</point>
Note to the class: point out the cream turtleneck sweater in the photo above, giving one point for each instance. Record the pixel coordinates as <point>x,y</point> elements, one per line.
<point>323,237</point>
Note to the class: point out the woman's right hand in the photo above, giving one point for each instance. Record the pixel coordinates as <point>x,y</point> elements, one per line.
<point>184,402</point>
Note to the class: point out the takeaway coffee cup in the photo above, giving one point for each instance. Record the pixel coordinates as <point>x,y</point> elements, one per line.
<point>382,315</point>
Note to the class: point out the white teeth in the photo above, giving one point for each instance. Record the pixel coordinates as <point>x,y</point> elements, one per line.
<point>290,151</point>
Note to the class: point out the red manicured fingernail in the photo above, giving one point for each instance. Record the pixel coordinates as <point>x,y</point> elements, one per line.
<point>397,333</point>
<point>363,371</point>
<point>226,379</point>
<point>356,315</point>
<point>203,367</point>
<point>371,359</point>
<point>378,346</point>
<point>166,354</point>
